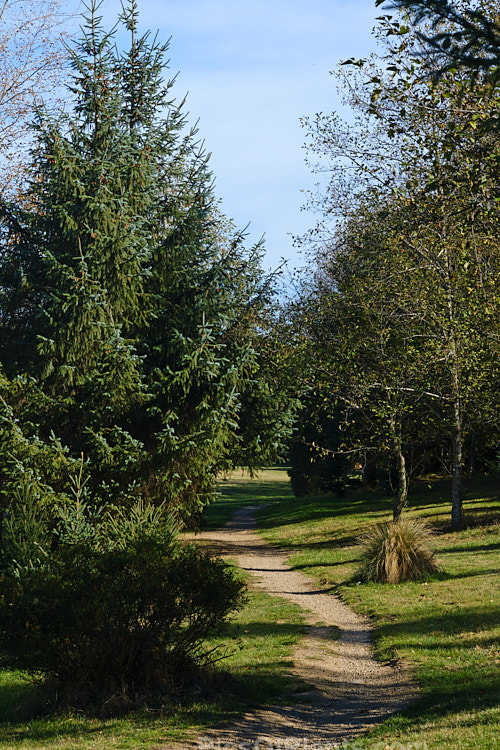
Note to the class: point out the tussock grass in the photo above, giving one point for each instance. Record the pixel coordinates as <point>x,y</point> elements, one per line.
<point>396,551</point>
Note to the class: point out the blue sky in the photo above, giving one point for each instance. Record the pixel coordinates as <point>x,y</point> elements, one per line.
<point>251,70</point>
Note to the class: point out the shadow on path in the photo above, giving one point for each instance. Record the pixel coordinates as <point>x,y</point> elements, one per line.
<point>350,690</point>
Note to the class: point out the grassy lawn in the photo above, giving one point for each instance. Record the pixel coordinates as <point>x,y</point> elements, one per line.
<point>447,627</point>
<point>270,487</point>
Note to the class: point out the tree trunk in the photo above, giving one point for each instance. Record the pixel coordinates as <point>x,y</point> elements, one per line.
<point>454,355</point>
<point>402,494</point>
<point>472,457</point>
<point>457,476</point>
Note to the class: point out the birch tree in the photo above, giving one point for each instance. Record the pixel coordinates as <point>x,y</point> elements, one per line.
<point>32,65</point>
<point>419,145</point>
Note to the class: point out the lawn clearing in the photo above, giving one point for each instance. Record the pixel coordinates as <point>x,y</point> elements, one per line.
<point>447,627</point>
<point>238,490</point>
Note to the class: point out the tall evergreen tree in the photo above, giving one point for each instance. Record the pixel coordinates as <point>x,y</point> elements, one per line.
<point>123,301</point>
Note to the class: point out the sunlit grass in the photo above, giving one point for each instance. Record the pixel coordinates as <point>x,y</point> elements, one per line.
<point>447,627</point>
<point>238,489</point>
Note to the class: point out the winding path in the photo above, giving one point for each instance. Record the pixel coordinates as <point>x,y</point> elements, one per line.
<point>352,691</point>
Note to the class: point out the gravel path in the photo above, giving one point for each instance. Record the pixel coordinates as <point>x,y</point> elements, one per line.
<point>352,691</point>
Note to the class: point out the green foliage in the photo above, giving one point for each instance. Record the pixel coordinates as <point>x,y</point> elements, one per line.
<point>269,405</point>
<point>399,317</point>
<point>396,551</point>
<point>317,463</point>
<point>129,307</point>
<point>111,607</point>
<point>130,311</point>
<point>257,645</point>
<point>462,35</point>
<point>25,537</point>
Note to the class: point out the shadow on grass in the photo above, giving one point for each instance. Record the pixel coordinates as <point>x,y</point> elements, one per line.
<point>29,712</point>
<point>421,497</point>
<point>235,495</point>
<point>467,622</point>
<point>444,576</point>
<point>467,701</point>
<point>463,691</point>
<point>324,564</point>
<point>21,698</point>
<point>339,542</point>
<point>49,732</point>
<point>317,507</point>
<point>454,685</point>
<point>471,548</point>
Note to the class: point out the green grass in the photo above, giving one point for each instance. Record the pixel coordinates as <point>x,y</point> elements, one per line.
<point>271,486</point>
<point>447,627</point>
<point>259,643</point>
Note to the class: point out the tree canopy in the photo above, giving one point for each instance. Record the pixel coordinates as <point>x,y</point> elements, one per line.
<point>401,312</point>
<point>129,309</point>
<point>460,34</point>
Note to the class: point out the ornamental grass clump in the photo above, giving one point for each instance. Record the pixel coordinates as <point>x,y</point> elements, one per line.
<point>397,551</point>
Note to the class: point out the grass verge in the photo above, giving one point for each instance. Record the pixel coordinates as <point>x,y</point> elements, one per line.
<point>446,627</point>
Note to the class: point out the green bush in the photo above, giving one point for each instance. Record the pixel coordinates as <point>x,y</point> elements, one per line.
<point>396,551</point>
<point>120,608</point>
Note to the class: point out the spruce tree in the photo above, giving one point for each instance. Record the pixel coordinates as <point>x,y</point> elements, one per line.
<point>125,303</point>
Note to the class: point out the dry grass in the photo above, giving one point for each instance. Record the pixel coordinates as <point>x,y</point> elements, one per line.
<point>396,551</point>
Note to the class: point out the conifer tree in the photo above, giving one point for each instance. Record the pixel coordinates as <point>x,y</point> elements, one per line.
<point>123,301</point>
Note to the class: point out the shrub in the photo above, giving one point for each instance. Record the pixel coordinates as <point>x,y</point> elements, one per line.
<point>109,614</point>
<point>396,551</point>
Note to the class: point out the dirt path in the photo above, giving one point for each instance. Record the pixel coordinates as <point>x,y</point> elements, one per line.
<point>352,691</point>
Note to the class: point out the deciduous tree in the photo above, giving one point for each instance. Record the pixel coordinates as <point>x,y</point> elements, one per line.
<point>32,65</point>
<point>465,34</point>
<point>411,284</point>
